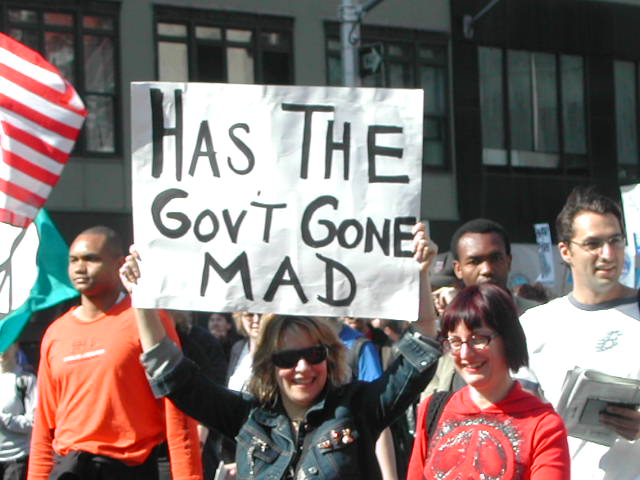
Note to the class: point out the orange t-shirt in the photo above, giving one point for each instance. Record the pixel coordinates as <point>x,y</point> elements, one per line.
<point>93,396</point>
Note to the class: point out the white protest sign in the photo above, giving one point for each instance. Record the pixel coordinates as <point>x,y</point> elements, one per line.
<point>631,205</point>
<point>545,254</point>
<point>294,200</point>
<point>19,269</point>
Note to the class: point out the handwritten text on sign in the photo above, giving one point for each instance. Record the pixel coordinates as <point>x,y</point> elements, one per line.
<point>277,199</point>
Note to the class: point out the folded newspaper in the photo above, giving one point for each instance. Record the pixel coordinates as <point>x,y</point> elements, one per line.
<point>585,394</point>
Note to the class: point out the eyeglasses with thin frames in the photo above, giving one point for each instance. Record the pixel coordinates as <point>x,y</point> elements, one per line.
<point>595,245</point>
<point>476,341</point>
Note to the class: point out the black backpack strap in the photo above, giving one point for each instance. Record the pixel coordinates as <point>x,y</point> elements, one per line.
<point>353,356</point>
<point>21,389</point>
<point>436,405</point>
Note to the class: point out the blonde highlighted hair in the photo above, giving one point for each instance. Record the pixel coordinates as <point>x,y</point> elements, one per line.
<point>263,385</point>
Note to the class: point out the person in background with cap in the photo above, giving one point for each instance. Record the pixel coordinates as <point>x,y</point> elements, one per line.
<point>444,283</point>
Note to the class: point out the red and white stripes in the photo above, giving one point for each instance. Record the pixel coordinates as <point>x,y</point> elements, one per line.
<point>41,116</point>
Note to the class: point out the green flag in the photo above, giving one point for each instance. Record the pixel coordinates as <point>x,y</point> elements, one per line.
<point>33,276</point>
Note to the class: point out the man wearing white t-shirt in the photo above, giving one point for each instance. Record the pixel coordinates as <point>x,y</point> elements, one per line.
<point>596,326</point>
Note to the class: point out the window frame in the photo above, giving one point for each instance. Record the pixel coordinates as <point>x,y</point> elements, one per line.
<point>415,39</point>
<point>78,10</point>
<point>225,20</point>
<point>563,157</point>
<point>627,173</point>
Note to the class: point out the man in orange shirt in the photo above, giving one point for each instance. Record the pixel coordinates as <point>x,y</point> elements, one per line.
<point>95,408</point>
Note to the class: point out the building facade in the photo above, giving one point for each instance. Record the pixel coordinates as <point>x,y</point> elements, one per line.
<point>522,102</point>
<point>102,46</point>
<point>545,98</point>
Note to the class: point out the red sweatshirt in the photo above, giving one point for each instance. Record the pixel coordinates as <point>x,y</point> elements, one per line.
<point>93,395</point>
<point>517,438</point>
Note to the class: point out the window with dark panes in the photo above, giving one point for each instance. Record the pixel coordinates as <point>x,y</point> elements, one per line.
<point>212,46</point>
<point>532,109</point>
<point>82,43</point>
<point>411,59</point>
<point>626,81</point>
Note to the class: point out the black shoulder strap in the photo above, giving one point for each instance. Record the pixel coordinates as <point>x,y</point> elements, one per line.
<point>354,356</point>
<point>436,405</point>
<point>21,388</point>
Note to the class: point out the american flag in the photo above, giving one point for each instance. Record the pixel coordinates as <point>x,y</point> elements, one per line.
<point>41,116</point>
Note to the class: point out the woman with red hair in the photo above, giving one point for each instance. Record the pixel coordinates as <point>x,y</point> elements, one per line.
<point>491,428</point>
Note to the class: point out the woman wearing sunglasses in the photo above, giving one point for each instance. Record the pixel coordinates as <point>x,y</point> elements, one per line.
<point>491,428</point>
<point>301,419</point>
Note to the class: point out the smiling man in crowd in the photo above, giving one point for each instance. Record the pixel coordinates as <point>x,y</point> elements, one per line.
<point>596,326</point>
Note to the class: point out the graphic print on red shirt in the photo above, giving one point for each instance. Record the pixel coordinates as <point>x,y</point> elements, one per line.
<point>482,444</point>
<point>518,438</point>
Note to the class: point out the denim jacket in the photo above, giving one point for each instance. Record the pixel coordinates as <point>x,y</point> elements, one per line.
<point>336,439</point>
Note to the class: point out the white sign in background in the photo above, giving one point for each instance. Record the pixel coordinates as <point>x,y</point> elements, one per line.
<point>294,200</point>
<point>545,253</point>
<point>631,205</point>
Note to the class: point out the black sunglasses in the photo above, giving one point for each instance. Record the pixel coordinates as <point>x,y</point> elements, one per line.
<point>290,358</point>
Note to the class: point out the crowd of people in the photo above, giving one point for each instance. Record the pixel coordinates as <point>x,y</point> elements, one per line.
<point>468,390</point>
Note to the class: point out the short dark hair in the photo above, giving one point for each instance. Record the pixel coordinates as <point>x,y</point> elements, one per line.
<point>584,199</point>
<point>396,326</point>
<point>226,315</point>
<point>479,225</point>
<point>493,305</point>
<point>113,240</point>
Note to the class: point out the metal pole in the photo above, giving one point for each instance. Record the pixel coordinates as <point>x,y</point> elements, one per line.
<point>370,5</point>
<point>468,21</point>
<point>349,15</point>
